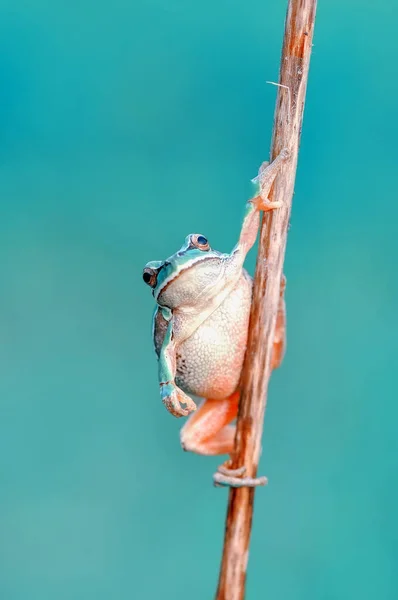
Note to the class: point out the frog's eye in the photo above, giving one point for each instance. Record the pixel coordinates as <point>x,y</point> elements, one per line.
<point>200,242</point>
<point>149,276</point>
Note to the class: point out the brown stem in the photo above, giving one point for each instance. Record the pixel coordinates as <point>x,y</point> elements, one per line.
<point>256,373</point>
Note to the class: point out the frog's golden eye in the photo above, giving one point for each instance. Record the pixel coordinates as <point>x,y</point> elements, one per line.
<point>200,242</point>
<point>150,276</point>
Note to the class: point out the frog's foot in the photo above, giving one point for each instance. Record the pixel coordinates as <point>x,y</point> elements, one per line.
<point>225,476</point>
<point>265,204</point>
<point>173,398</point>
<point>265,179</point>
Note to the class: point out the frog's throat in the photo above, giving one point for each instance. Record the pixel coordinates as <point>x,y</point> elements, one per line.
<point>169,275</point>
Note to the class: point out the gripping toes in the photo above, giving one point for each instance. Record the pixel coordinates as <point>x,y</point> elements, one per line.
<point>173,398</point>
<point>267,205</point>
<point>266,177</point>
<point>234,477</point>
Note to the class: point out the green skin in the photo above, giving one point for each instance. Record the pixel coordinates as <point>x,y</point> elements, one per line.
<point>165,370</point>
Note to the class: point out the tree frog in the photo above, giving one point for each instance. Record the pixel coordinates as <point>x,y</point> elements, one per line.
<point>200,326</point>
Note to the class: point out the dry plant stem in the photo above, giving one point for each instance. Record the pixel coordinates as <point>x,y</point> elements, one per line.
<point>295,60</point>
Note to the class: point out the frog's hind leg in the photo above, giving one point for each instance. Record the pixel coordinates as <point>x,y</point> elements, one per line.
<point>280,329</point>
<point>208,431</point>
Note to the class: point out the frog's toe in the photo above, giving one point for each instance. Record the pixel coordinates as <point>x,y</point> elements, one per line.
<point>224,469</point>
<point>189,403</point>
<point>228,477</point>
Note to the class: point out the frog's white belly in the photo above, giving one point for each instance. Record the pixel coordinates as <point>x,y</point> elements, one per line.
<point>210,361</point>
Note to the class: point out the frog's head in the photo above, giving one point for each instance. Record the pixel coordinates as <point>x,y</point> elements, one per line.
<point>188,277</point>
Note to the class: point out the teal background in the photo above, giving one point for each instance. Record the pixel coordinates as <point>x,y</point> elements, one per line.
<point>123,127</point>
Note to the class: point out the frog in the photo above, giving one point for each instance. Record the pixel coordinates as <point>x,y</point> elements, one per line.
<point>200,326</point>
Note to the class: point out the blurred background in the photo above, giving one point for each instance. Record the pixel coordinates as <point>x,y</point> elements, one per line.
<point>124,127</point>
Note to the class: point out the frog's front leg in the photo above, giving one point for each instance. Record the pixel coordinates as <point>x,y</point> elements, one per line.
<point>172,396</point>
<point>260,201</point>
